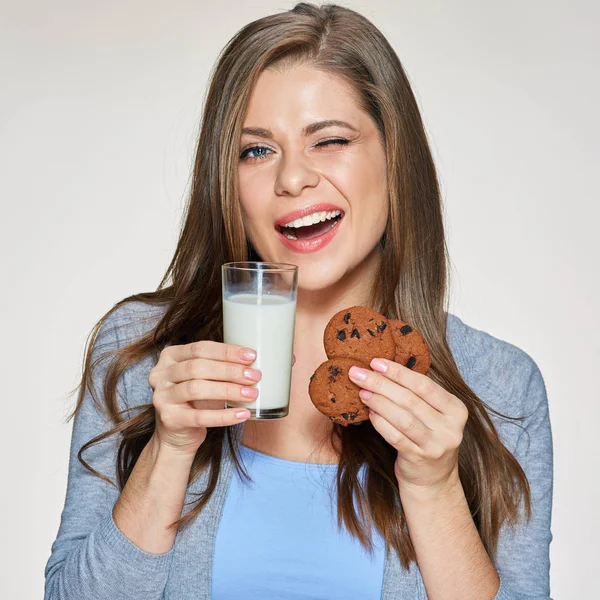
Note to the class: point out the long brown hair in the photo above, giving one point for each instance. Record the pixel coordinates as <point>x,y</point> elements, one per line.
<point>412,282</point>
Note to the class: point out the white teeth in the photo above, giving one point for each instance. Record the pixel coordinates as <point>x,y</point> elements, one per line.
<point>289,235</point>
<point>317,217</point>
<point>313,219</point>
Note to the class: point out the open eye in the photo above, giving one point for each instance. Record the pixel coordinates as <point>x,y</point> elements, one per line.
<point>254,152</point>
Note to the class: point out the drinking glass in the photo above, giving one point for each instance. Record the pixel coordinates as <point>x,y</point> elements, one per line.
<point>259,312</point>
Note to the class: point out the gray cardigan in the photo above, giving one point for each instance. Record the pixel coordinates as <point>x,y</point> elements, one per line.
<point>92,559</point>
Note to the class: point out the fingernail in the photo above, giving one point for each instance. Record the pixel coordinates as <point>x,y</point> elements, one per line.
<point>249,392</point>
<point>358,374</point>
<point>248,354</point>
<point>378,365</point>
<point>365,394</point>
<point>242,414</point>
<point>253,374</point>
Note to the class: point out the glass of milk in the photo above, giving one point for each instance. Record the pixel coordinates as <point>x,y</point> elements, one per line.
<point>259,312</point>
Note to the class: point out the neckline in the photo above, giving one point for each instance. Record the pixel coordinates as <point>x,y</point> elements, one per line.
<point>283,462</point>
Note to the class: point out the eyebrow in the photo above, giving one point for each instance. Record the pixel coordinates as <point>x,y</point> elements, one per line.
<point>308,130</point>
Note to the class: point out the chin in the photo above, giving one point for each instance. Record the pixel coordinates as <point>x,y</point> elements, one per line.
<point>316,277</point>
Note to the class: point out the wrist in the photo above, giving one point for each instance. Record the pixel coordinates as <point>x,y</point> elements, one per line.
<point>159,451</point>
<point>439,491</point>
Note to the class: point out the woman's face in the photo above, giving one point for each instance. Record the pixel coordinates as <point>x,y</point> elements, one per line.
<point>311,159</point>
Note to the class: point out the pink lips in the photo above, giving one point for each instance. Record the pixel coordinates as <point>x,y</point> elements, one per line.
<point>313,244</point>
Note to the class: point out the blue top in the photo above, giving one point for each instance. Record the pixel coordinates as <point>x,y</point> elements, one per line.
<point>269,529</point>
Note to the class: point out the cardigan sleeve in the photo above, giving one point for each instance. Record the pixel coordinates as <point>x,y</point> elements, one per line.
<point>523,556</point>
<point>91,557</point>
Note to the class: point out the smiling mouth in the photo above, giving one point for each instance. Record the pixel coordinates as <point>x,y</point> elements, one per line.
<point>308,232</point>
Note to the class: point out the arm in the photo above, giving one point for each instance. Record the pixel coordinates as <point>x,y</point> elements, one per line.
<point>452,559</point>
<point>424,423</point>
<point>92,557</point>
<point>450,554</point>
<point>153,498</point>
<point>523,557</point>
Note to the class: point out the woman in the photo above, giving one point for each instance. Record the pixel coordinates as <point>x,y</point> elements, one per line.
<point>438,495</point>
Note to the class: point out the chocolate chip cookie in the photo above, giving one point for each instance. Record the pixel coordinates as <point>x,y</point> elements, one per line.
<point>360,333</point>
<point>334,394</point>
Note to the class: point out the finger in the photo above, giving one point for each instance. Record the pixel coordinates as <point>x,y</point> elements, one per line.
<point>400,418</point>
<point>213,418</point>
<point>200,368</point>
<point>403,397</point>
<point>421,385</point>
<point>199,389</point>
<point>392,436</point>
<point>210,350</point>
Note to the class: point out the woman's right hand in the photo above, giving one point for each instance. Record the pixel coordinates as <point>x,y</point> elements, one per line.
<point>191,383</point>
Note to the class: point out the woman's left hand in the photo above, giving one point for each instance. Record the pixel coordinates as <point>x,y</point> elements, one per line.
<point>418,417</point>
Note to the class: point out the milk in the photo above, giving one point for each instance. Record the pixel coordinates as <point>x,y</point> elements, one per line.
<point>265,323</point>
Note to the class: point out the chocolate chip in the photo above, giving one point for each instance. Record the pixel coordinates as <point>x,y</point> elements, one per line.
<point>355,334</point>
<point>334,371</point>
<point>371,332</point>
<point>332,399</point>
<point>346,318</point>
<point>350,416</point>
<point>341,335</point>
<point>406,330</point>
<point>313,376</point>
<point>381,326</point>
<point>412,361</point>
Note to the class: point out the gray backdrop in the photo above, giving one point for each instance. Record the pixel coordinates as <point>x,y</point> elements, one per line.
<point>99,107</point>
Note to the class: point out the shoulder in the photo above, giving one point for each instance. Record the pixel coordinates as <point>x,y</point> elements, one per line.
<point>127,323</point>
<point>130,321</point>
<point>503,375</point>
<point>488,360</point>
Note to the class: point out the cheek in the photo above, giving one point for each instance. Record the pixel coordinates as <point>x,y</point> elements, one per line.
<point>254,197</point>
<point>363,182</point>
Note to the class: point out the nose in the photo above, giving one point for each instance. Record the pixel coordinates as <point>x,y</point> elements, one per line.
<point>294,175</point>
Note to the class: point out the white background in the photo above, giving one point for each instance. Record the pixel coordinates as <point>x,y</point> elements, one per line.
<point>99,109</point>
